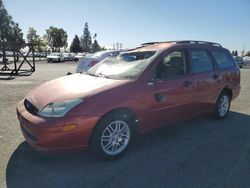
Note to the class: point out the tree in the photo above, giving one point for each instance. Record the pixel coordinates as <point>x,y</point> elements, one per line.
<point>248,53</point>
<point>9,31</point>
<point>56,38</point>
<point>6,23</point>
<point>235,53</point>
<point>16,36</point>
<point>86,40</point>
<point>33,38</point>
<point>103,48</point>
<point>95,46</point>
<point>75,45</point>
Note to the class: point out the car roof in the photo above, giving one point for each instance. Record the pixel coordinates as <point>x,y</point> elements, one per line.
<point>160,46</point>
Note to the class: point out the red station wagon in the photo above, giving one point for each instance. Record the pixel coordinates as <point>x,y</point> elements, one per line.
<point>136,91</point>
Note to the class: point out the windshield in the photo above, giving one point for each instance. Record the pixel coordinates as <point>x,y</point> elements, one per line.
<point>124,66</point>
<point>97,54</point>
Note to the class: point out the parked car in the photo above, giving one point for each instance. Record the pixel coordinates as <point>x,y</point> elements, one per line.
<point>68,57</point>
<point>246,60</point>
<point>239,61</point>
<point>79,55</point>
<point>9,54</point>
<point>136,91</point>
<point>55,57</point>
<point>91,59</point>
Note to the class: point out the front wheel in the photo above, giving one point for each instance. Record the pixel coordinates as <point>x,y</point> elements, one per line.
<point>112,136</point>
<point>222,105</point>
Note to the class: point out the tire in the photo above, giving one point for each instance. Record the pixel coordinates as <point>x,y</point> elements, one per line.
<point>222,105</point>
<point>113,135</point>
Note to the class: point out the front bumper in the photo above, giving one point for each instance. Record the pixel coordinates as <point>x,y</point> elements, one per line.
<point>236,92</point>
<point>47,134</point>
<point>53,59</point>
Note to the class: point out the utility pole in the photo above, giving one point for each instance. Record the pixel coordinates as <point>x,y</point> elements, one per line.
<point>243,51</point>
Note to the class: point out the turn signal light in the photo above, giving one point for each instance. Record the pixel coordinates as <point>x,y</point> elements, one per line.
<point>69,127</point>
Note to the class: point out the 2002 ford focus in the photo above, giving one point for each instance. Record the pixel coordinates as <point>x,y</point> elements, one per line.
<point>136,91</point>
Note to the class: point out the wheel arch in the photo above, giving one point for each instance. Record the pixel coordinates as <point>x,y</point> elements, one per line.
<point>228,90</point>
<point>123,110</point>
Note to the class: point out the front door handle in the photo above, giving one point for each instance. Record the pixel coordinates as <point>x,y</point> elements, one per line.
<point>160,97</point>
<point>187,83</point>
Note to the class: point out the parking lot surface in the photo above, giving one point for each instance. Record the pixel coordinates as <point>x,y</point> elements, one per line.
<point>201,152</point>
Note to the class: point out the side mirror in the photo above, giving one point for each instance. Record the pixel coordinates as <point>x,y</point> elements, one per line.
<point>152,78</point>
<point>69,73</point>
<point>151,81</point>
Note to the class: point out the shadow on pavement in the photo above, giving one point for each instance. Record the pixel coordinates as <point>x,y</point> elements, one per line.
<point>201,152</point>
<point>10,76</point>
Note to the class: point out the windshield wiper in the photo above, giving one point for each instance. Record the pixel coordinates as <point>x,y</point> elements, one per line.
<point>102,75</point>
<point>91,74</point>
<point>97,75</point>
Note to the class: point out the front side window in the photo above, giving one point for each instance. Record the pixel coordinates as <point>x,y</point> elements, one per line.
<point>171,66</point>
<point>222,59</point>
<point>200,61</point>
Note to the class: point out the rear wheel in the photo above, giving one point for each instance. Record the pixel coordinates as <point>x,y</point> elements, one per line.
<point>113,135</point>
<point>222,105</point>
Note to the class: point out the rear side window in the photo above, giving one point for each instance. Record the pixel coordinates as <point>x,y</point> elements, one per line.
<point>200,61</point>
<point>223,59</point>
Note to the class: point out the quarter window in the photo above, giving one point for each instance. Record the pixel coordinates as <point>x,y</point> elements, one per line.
<point>171,66</point>
<point>200,61</point>
<point>223,60</point>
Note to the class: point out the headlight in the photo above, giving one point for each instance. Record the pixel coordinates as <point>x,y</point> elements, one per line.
<point>59,109</point>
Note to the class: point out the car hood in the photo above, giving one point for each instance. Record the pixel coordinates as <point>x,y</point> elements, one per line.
<point>74,86</point>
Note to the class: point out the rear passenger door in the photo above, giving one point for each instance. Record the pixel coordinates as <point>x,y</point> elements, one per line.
<point>208,81</point>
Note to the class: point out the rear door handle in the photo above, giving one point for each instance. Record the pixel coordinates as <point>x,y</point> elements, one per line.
<point>215,76</point>
<point>187,83</point>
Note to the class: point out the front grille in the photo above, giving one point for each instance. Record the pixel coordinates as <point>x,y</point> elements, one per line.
<point>30,107</point>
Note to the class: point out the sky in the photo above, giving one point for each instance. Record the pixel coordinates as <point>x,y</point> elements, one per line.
<point>132,22</point>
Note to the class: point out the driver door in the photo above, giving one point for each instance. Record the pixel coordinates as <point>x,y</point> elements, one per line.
<point>172,95</point>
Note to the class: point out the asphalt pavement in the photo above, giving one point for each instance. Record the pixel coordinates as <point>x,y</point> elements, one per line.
<point>198,153</point>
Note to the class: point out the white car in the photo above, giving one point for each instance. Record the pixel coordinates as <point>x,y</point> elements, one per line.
<point>55,57</point>
<point>68,56</point>
<point>90,60</point>
<point>80,55</point>
<point>246,59</point>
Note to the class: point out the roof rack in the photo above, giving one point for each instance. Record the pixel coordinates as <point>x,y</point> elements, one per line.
<point>198,42</point>
<point>183,42</point>
<point>149,43</point>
